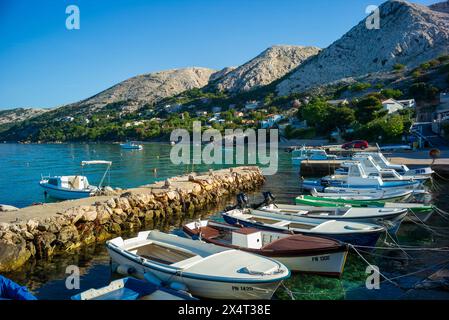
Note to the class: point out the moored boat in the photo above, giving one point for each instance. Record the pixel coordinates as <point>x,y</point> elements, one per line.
<point>402,169</point>
<point>131,146</point>
<point>207,270</point>
<point>357,178</point>
<point>421,211</point>
<point>364,195</point>
<point>9,290</point>
<point>373,169</point>
<point>132,289</point>
<point>300,253</point>
<point>391,218</point>
<point>73,187</point>
<point>362,234</point>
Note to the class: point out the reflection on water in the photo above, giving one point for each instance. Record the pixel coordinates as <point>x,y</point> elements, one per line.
<point>24,163</point>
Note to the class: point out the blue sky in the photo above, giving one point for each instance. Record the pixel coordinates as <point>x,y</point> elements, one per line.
<point>42,64</point>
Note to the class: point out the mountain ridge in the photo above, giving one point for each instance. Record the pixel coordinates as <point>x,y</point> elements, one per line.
<point>409,34</point>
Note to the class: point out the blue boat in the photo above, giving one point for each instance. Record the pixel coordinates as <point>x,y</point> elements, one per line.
<point>357,234</point>
<point>9,290</point>
<point>132,289</point>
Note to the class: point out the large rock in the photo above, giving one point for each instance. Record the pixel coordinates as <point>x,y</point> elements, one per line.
<point>13,251</point>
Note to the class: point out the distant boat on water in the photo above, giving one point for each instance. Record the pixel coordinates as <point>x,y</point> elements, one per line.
<point>73,187</point>
<point>131,146</point>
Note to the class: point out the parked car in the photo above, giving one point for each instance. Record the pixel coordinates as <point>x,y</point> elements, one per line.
<point>357,144</point>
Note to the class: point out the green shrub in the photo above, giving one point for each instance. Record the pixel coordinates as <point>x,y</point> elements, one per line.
<point>398,67</point>
<point>391,93</point>
<point>360,86</point>
<point>306,133</point>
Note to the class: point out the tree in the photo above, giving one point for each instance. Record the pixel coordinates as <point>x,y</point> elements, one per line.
<point>391,93</point>
<point>341,117</point>
<point>368,109</point>
<point>423,92</point>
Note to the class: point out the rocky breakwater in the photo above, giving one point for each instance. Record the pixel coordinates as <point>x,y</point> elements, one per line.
<point>51,231</point>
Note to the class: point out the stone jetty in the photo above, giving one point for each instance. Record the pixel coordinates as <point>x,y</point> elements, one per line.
<point>39,232</point>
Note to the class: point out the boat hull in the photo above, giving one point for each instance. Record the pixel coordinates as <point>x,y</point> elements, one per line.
<point>64,194</point>
<point>204,288</point>
<point>330,264</point>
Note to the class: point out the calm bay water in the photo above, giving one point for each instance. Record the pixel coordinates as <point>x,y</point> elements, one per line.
<point>22,166</point>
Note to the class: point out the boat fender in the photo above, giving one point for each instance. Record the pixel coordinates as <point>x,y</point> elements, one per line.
<point>151,278</point>
<point>178,286</point>
<point>125,270</point>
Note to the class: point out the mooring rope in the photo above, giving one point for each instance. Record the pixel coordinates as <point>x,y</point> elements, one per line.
<point>374,268</point>
<point>397,244</point>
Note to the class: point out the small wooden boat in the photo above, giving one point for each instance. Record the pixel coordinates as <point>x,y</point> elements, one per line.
<point>131,146</point>
<point>299,253</point>
<point>207,270</point>
<point>416,208</point>
<point>73,187</point>
<point>363,234</point>
<point>132,289</point>
<point>391,218</point>
<point>364,195</point>
<point>9,290</point>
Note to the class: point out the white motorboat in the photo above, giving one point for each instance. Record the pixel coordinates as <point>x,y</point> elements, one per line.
<point>357,178</point>
<point>391,218</point>
<point>131,146</point>
<point>73,187</point>
<point>363,234</point>
<point>402,169</point>
<point>373,169</point>
<point>206,270</point>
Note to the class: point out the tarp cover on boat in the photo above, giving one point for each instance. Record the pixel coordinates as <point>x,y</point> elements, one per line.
<point>12,291</point>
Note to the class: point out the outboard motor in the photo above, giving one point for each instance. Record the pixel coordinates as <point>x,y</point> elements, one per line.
<point>268,197</point>
<point>242,200</point>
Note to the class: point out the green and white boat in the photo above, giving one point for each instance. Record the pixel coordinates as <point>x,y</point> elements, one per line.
<point>418,211</point>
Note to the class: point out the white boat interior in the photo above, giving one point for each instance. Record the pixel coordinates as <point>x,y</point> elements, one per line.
<point>332,212</point>
<point>373,169</point>
<point>296,223</point>
<point>402,169</point>
<point>351,194</point>
<point>195,257</point>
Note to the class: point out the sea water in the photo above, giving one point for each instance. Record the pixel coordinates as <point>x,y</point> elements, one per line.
<point>22,166</point>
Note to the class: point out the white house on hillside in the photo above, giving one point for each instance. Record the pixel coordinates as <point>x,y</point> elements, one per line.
<point>392,105</point>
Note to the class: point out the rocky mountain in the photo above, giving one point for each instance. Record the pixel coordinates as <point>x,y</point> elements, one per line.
<point>441,7</point>
<point>270,65</point>
<point>409,34</point>
<point>19,114</point>
<point>147,89</point>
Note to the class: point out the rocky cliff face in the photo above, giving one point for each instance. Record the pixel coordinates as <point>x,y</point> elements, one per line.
<point>441,7</point>
<point>270,65</point>
<point>409,34</point>
<point>149,88</point>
